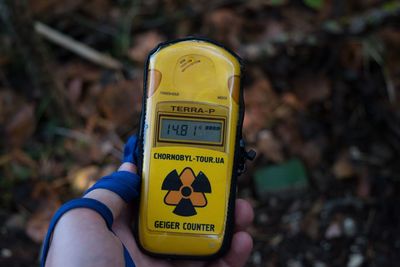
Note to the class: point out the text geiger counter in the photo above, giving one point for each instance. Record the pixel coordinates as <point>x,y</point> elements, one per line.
<point>189,144</point>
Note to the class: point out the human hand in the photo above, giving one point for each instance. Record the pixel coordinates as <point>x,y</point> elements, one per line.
<point>241,242</point>
<point>81,237</point>
<point>238,254</point>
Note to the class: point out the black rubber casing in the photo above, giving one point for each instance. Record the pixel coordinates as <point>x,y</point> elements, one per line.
<point>238,157</point>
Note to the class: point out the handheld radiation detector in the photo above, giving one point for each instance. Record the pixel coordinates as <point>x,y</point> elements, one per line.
<point>190,154</point>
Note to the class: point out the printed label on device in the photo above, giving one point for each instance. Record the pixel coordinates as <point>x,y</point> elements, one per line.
<point>187,190</point>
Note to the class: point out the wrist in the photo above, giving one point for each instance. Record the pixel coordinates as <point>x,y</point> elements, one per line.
<point>108,198</point>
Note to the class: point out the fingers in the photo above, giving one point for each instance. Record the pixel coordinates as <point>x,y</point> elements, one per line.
<point>237,256</point>
<point>129,167</point>
<point>244,215</point>
<point>242,243</point>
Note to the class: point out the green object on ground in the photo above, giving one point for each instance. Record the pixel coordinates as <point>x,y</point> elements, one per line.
<point>288,177</point>
<point>316,4</point>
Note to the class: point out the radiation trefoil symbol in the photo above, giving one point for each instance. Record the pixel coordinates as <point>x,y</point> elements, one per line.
<point>186,191</point>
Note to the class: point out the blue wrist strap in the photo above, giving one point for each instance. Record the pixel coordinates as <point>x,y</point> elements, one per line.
<point>123,183</point>
<point>131,150</point>
<point>89,203</point>
<point>128,260</point>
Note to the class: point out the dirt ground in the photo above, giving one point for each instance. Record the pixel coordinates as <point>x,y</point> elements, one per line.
<point>321,87</point>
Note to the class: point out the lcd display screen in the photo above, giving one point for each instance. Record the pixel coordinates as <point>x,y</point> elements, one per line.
<point>191,130</point>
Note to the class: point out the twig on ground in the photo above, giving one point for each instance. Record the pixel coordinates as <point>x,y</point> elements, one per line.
<point>77,47</point>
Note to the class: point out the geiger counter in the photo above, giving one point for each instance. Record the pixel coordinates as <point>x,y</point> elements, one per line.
<point>190,152</point>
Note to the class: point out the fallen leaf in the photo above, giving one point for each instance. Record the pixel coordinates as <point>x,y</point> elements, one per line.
<point>74,90</point>
<point>50,167</point>
<point>98,9</point>
<point>78,149</point>
<point>22,165</point>
<point>292,100</point>
<point>310,226</point>
<point>44,7</point>
<point>260,101</point>
<point>47,202</point>
<point>100,149</point>
<point>121,103</point>
<point>82,178</point>
<point>10,103</point>
<point>143,44</point>
<point>83,71</point>
<point>88,106</point>
<point>311,154</point>
<point>300,22</point>
<point>23,158</point>
<point>363,190</point>
<point>96,122</point>
<point>223,25</point>
<point>343,168</point>
<point>352,55</point>
<point>38,223</point>
<point>288,132</point>
<point>270,146</point>
<point>310,88</point>
<point>21,126</point>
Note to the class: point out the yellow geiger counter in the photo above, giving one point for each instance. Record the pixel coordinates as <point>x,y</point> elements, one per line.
<point>189,147</point>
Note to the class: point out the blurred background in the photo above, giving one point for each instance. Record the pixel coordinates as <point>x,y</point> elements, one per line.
<point>321,86</point>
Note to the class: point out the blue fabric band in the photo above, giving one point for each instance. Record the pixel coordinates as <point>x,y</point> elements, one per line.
<point>123,183</point>
<point>89,203</point>
<point>131,150</point>
<point>128,260</point>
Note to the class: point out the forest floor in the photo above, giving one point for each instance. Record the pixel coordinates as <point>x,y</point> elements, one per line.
<point>321,87</point>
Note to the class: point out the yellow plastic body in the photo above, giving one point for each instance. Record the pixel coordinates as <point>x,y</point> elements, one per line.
<point>198,81</point>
